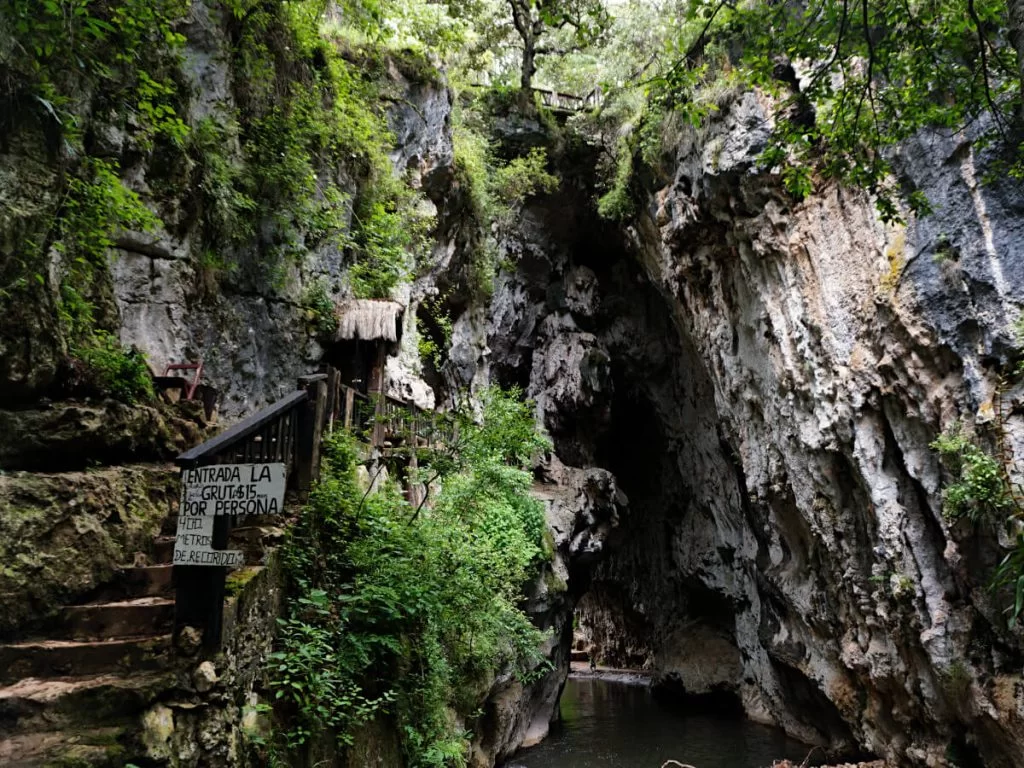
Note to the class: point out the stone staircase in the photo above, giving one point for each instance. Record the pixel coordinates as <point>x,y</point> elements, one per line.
<point>73,694</point>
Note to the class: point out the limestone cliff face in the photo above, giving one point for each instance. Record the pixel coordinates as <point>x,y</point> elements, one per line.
<point>763,377</point>
<point>252,330</point>
<point>233,303</point>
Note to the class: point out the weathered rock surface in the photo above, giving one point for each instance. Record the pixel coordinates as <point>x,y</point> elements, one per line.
<point>213,715</point>
<point>763,378</point>
<point>70,435</point>
<point>62,535</point>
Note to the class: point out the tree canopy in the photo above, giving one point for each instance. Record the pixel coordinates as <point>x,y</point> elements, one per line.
<point>850,78</point>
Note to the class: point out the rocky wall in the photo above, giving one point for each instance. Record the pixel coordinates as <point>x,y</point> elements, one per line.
<point>763,377</point>
<point>212,715</point>
<point>836,349</point>
<point>63,535</point>
<point>240,304</point>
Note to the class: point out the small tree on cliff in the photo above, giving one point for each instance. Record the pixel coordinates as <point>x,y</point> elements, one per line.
<point>548,27</point>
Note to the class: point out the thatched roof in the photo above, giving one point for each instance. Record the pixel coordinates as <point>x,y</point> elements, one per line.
<point>368,319</point>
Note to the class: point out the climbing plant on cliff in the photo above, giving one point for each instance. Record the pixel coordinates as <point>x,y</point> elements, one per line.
<point>982,489</point>
<point>310,122</point>
<point>410,612</point>
<point>66,68</point>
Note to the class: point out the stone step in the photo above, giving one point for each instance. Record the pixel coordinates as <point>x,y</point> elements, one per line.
<point>37,705</point>
<point>58,658</point>
<point>125,618</point>
<point>163,550</point>
<point>137,581</point>
<point>95,747</point>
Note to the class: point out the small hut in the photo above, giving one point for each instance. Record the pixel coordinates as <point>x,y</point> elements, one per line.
<point>368,330</point>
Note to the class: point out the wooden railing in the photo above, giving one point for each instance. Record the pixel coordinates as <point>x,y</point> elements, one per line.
<point>569,102</point>
<point>269,435</point>
<point>290,432</point>
<point>560,101</point>
<point>286,432</point>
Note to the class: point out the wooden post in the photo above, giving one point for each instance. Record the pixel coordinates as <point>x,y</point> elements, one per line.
<point>350,407</point>
<point>333,379</point>
<point>311,422</point>
<point>376,390</point>
<point>199,591</point>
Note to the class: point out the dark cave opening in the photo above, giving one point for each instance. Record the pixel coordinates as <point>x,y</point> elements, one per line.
<point>721,702</point>
<point>634,423</point>
<point>655,599</point>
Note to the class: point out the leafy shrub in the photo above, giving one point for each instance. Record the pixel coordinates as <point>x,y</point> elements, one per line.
<point>617,203</point>
<point>320,309</point>
<point>524,177</point>
<point>413,611</point>
<point>493,193</point>
<point>112,370</point>
<point>97,205</point>
<point>434,331</point>
<point>1009,576</point>
<point>979,489</point>
<point>295,138</point>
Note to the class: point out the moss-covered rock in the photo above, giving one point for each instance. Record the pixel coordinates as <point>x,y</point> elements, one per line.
<point>62,535</point>
<point>31,345</point>
<point>72,435</point>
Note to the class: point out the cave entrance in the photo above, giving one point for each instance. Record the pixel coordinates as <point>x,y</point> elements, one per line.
<point>641,607</point>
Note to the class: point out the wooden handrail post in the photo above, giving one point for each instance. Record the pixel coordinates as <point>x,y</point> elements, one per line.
<point>311,423</point>
<point>333,381</point>
<point>350,407</point>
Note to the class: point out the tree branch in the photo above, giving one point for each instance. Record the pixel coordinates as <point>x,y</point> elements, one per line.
<point>982,45</point>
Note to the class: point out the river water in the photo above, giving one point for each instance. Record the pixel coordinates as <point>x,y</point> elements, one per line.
<point>611,724</point>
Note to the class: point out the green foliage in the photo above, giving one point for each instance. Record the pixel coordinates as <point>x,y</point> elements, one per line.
<point>227,209</point>
<point>493,193</point>
<point>96,206</point>
<point>875,74</point>
<point>435,338</point>
<point>523,177</point>
<point>111,370</point>
<point>70,47</point>
<point>617,203</point>
<point>1009,576</point>
<point>980,489</point>
<point>473,166</point>
<point>295,137</point>
<point>120,54</point>
<point>408,611</point>
<point>320,309</point>
<point>544,26</point>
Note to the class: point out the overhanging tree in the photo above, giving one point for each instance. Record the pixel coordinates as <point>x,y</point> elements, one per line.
<point>857,76</point>
<point>549,27</point>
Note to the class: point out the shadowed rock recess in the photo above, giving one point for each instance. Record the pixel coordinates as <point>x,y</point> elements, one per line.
<point>762,379</point>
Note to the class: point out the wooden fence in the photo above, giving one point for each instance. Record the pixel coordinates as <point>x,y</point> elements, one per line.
<point>289,432</point>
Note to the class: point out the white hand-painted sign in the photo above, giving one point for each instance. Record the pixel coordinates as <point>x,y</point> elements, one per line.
<point>223,489</point>
<point>194,544</point>
<point>233,489</point>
